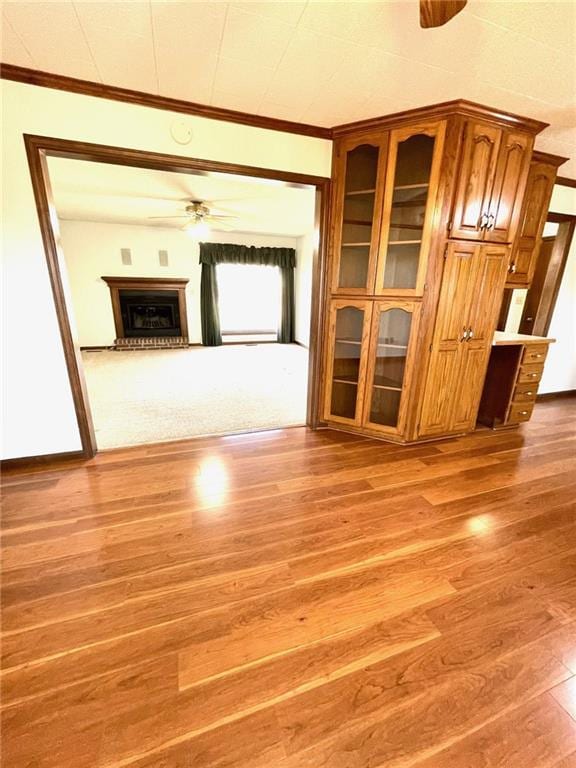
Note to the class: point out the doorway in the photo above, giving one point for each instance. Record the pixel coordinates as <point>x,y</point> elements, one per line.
<point>41,149</point>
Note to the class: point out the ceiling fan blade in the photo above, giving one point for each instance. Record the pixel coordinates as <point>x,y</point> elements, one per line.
<point>167,217</point>
<point>435,13</point>
<point>219,216</point>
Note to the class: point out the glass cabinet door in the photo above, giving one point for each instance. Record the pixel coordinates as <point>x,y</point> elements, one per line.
<point>349,330</point>
<point>358,212</point>
<point>411,185</point>
<point>390,360</point>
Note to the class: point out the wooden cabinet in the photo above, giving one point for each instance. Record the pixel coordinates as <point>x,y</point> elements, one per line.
<point>410,314</point>
<point>411,187</point>
<point>541,178</point>
<point>360,168</point>
<point>492,176</point>
<point>470,295</point>
<point>369,361</point>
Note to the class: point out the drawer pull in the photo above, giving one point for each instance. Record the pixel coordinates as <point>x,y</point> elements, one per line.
<point>528,393</point>
<point>539,355</point>
<point>523,413</point>
<point>533,375</point>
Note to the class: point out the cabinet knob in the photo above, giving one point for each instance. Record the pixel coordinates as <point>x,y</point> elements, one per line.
<point>523,413</point>
<point>512,268</point>
<point>539,355</point>
<point>483,221</point>
<point>491,221</point>
<point>470,334</point>
<point>529,393</point>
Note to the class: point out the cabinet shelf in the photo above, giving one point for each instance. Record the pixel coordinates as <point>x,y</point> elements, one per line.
<point>412,186</point>
<point>348,341</point>
<point>341,380</point>
<point>354,245</point>
<point>358,222</point>
<point>404,242</point>
<point>392,346</point>
<point>385,386</point>
<point>360,192</point>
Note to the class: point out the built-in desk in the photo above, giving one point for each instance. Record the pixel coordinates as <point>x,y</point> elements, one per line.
<point>511,385</point>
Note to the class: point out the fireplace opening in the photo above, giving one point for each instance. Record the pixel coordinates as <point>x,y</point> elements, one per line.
<point>150,313</point>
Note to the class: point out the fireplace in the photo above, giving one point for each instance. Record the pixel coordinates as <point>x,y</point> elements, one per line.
<point>149,311</point>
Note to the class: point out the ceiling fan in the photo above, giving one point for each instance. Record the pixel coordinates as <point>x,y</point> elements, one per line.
<point>435,13</point>
<point>198,218</point>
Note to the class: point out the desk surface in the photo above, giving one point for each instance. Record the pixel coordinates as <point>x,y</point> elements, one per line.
<point>501,338</point>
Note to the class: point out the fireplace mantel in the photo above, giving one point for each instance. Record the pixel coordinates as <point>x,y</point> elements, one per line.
<point>156,284</point>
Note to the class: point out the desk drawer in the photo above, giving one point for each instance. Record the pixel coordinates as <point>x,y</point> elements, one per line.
<point>525,393</point>
<point>530,373</point>
<point>520,412</point>
<point>535,353</point>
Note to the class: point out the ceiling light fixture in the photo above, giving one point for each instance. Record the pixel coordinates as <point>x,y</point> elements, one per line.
<point>197,229</point>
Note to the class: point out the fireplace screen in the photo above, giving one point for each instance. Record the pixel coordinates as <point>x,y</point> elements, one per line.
<point>150,313</point>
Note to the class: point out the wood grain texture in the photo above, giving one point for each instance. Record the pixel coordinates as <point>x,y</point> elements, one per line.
<point>295,599</point>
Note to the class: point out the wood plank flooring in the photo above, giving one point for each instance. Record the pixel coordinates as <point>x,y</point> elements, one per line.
<point>294,599</point>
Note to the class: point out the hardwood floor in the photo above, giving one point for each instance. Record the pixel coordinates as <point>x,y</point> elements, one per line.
<point>296,600</point>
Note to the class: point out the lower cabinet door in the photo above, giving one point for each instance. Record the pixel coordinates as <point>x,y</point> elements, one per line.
<point>348,337</point>
<point>390,364</point>
<point>474,359</point>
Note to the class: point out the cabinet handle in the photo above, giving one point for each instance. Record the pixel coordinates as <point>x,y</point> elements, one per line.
<point>483,221</point>
<point>464,336</point>
<point>512,268</point>
<point>491,221</point>
<point>470,333</point>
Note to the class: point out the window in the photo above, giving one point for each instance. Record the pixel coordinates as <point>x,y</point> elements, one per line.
<point>249,299</point>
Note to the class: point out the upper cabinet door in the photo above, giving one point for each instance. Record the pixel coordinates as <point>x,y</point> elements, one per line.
<point>509,185</point>
<point>476,174</point>
<point>359,173</point>
<point>412,175</point>
<point>539,188</point>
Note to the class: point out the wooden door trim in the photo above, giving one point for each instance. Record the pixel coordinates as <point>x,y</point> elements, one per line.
<point>555,273</point>
<point>39,148</point>
<point>437,129</point>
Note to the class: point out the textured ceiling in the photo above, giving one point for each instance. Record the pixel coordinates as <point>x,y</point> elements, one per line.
<point>317,62</point>
<point>86,191</point>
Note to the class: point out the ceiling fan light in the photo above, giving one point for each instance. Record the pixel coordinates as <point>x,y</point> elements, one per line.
<point>197,229</point>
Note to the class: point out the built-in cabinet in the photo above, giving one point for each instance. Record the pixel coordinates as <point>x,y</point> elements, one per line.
<point>536,203</point>
<point>425,210</point>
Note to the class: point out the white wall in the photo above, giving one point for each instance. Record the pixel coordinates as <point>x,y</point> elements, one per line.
<point>92,249</point>
<point>303,286</point>
<point>560,369</point>
<point>38,413</point>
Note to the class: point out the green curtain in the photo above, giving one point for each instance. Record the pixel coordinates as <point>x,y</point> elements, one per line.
<point>209,315</point>
<point>212,254</point>
<point>286,327</point>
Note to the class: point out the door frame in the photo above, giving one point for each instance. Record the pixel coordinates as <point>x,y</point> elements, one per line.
<point>40,148</point>
<point>555,272</point>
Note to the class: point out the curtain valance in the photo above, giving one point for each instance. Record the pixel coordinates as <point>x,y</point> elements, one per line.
<point>229,253</point>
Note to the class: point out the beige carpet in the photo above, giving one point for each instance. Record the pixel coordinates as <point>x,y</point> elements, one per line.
<point>150,396</point>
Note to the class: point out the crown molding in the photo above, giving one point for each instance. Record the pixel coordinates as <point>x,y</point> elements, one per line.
<point>546,157</point>
<point>102,91</point>
<point>443,109</point>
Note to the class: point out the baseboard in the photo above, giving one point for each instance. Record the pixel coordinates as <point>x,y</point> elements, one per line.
<point>556,395</point>
<point>30,462</point>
